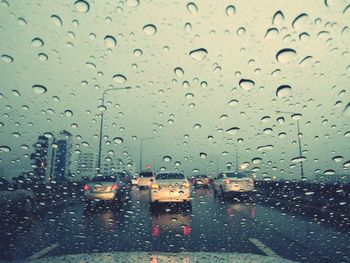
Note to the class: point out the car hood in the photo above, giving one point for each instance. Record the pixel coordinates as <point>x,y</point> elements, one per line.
<point>155,257</point>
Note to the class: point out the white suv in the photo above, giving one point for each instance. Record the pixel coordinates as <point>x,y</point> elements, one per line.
<point>233,182</point>
<point>170,187</point>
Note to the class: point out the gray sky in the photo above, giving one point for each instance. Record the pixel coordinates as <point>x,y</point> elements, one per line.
<point>306,46</point>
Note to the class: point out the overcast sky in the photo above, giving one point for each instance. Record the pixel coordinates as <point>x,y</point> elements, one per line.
<point>204,75</point>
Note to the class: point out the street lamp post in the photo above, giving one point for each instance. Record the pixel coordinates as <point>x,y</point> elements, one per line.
<point>141,149</point>
<point>299,141</point>
<point>101,125</point>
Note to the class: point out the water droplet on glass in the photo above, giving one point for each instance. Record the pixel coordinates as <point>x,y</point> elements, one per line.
<point>189,96</point>
<point>240,31</point>
<point>138,53</point>
<point>118,140</point>
<point>233,130</point>
<point>203,155</point>
<point>166,158</point>
<point>110,41</point>
<point>39,89</point>
<point>119,78</point>
<point>285,55</point>
<point>230,10</point>
<point>283,91</point>
<point>338,158</point>
<point>198,54</point>
<point>192,8</point>
<point>271,33</point>
<point>68,113</point>
<point>179,72</point>
<point>42,57</point>
<point>278,18</point>
<point>246,84</point>
<point>37,42</point>
<point>298,159</point>
<point>5,149</point>
<point>150,29</point>
<point>56,20</point>
<point>233,102</point>
<point>133,3</point>
<point>82,6</point>
<point>300,21</point>
<point>7,58</point>
<point>197,126</point>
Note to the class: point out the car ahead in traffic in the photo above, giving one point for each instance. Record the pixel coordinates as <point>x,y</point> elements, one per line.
<point>233,182</point>
<point>15,200</point>
<point>170,187</point>
<point>145,178</point>
<point>200,180</point>
<point>112,188</point>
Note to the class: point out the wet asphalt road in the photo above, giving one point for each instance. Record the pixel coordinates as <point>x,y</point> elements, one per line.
<point>212,225</point>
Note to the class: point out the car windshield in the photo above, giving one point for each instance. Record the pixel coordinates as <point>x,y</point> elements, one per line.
<point>170,176</point>
<point>146,174</point>
<point>119,119</point>
<point>235,175</point>
<point>104,179</point>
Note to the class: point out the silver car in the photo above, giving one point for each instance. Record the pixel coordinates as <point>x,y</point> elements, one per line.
<point>112,188</point>
<point>170,187</point>
<point>234,182</point>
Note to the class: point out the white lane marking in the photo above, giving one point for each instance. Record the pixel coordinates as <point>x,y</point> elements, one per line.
<point>42,252</point>
<point>263,247</point>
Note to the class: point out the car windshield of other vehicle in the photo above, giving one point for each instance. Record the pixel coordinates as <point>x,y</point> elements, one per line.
<point>104,178</point>
<point>146,174</point>
<point>235,175</point>
<point>170,176</point>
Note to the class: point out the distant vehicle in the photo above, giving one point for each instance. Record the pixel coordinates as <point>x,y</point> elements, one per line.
<point>238,182</point>
<point>111,188</point>
<point>200,180</point>
<point>170,187</point>
<point>145,178</point>
<point>15,200</point>
<point>134,180</point>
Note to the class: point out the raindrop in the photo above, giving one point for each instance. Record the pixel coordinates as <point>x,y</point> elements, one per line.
<point>246,84</point>
<point>189,96</point>
<point>68,113</point>
<point>298,159</point>
<point>110,41</point>
<point>197,126</point>
<point>7,58</point>
<point>299,21</point>
<point>5,149</point>
<point>39,89</point>
<point>256,160</point>
<point>264,147</point>
<point>282,135</point>
<point>278,17</point>
<point>56,20</point>
<point>240,31</point>
<point>166,158</point>
<point>346,164</point>
<point>285,55</point>
<point>198,54</point>
<point>119,78</point>
<point>179,72</point>
<point>37,42</point>
<point>230,10</point>
<point>203,155</point>
<point>265,119</point>
<point>192,8</point>
<point>133,3</point>
<point>150,29</point>
<point>177,163</point>
<point>138,53</point>
<point>42,57</point>
<point>283,91</point>
<point>305,61</point>
<point>118,140</point>
<point>337,159</point>
<point>271,33</point>
<point>346,9</point>
<point>232,130</point>
<point>329,172</point>
<point>82,6</point>
<point>233,102</point>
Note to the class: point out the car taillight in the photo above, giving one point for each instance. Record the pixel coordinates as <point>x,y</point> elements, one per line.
<point>155,186</point>
<point>114,187</point>
<point>185,185</point>
<point>86,187</point>
<point>187,231</point>
<point>155,231</point>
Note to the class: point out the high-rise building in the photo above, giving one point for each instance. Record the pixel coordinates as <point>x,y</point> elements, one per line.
<point>84,165</point>
<point>40,157</point>
<point>62,153</point>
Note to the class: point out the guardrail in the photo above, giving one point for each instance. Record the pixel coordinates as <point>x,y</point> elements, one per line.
<point>327,196</point>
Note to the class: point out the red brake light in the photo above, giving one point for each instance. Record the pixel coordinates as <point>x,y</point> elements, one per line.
<point>86,187</point>
<point>155,231</point>
<point>187,231</point>
<point>114,186</point>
